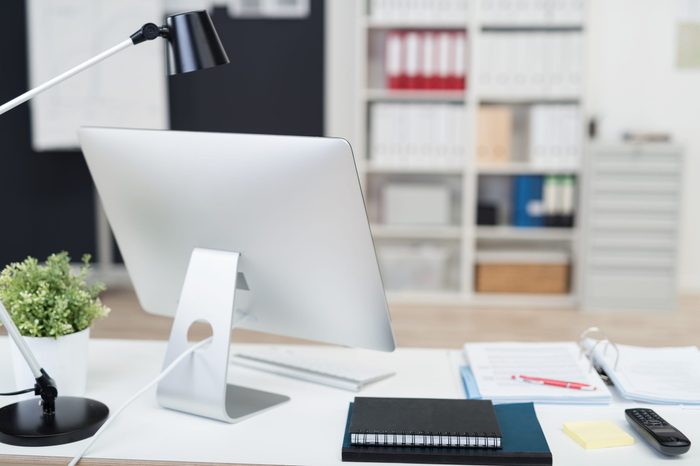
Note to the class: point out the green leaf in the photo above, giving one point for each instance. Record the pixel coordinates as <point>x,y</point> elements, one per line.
<point>47,300</point>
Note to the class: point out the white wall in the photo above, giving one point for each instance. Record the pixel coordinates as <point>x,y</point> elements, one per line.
<point>633,83</point>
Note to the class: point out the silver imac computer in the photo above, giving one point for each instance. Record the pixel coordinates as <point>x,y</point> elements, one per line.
<point>268,233</point>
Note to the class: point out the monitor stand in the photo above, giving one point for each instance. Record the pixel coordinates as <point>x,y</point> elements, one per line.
<point>198,385</point>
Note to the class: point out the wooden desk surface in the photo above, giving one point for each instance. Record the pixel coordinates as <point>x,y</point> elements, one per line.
<point>452,326</point>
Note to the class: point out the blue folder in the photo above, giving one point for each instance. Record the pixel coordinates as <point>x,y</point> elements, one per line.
<point>527,191</point>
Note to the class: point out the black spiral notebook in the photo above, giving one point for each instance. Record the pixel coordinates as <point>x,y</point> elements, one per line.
<point>420,422</point>
<point>523,443</point>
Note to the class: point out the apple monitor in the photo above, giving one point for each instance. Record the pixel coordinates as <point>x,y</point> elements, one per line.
<point>277,221</point>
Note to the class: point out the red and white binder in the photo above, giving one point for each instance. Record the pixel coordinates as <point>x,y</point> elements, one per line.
<point>459,71</point>
<point>393,60</point>
<point>444,60</point>
<point>429,62</point>
<point>425,60</point>
<point>412,59</point>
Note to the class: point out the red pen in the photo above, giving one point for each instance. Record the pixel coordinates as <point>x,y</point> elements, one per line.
<point>554,383</point>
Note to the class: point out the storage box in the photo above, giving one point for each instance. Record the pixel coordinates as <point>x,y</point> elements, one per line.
<point>414,267</point>
<point>545,272</point>
<point>417,204</point>
<point>494,132</point>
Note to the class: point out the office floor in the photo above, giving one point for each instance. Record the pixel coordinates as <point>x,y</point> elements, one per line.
<point>442,326</point>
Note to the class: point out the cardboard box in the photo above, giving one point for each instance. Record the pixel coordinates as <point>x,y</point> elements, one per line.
<point>522,272</point>
<point>494,134</point>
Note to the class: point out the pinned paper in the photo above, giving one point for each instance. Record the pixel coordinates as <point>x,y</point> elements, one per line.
<point>597,434</point>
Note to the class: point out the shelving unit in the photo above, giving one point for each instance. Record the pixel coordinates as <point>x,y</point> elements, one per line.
<point>373,23</point>
<point>373,168</point>
<point>524,168</point>
<point>416,232</point>
<point>465,233</point>
<point>503,232</point>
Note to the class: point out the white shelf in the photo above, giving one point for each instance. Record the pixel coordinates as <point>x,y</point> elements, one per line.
<point>412,95</point>
<point>504,232</point>
<point>416,231</point>
<point>524,300</point>
<point>533,99</point>
<point>398,169</point>
<point>482,300</point>
<point>524,168</point>
<point>506,27</point>
<point>375,23</point>
<point>443,298</point>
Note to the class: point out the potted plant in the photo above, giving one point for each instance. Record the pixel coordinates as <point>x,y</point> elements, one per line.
<point>53,309</point>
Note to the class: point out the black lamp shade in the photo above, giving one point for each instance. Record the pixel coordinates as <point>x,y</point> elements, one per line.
<point>193,43</point>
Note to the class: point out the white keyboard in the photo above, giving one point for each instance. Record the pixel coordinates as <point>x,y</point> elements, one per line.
<point>341,372</point>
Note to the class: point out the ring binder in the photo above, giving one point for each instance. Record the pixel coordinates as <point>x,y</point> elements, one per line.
<point>641,377</point>
<point>494,367</point>
<point>589,352</point>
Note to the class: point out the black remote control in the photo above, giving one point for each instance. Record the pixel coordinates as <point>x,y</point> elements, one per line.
<point>659,433</point>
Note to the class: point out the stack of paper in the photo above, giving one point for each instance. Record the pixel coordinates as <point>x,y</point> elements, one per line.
<point>492,365</point>
<point>597,434</point>
<point>653,375</point>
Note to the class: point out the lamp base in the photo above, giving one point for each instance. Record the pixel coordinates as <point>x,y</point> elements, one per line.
<point>25,424</point>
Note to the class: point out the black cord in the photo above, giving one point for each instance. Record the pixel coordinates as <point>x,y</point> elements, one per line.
<point>20,392</point>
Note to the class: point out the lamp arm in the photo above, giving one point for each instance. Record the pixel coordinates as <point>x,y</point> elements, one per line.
<point>62,77</point>
<point>13,332</point>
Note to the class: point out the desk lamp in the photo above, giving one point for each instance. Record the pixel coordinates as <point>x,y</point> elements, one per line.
<point>193,44</point>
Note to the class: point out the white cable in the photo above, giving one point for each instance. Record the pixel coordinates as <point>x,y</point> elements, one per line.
<point>162,375</point>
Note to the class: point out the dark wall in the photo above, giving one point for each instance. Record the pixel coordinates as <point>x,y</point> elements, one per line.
<point>46,201</point>
<point>274,85</point>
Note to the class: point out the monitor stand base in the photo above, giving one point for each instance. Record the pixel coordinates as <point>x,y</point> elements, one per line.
<point>198,385</point>
<point>243,402</point>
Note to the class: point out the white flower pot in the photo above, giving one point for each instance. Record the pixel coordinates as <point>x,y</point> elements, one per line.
<point>64,359</point>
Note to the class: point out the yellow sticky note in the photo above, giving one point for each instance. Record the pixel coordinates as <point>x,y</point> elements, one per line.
<point>597,434</point>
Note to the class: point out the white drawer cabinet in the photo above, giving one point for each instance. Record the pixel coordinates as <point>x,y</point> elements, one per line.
<point>628,256</point>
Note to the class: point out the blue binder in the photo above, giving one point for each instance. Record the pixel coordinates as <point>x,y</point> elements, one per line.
<point>527,194</point>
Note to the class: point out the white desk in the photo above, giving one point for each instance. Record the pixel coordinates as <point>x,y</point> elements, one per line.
<point>308,430</point>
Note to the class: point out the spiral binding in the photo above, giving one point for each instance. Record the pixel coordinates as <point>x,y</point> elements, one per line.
<point>427,439</point>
